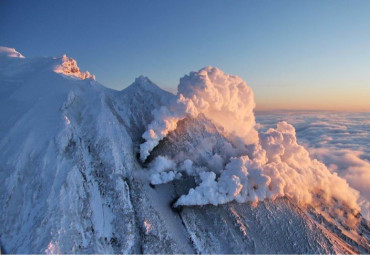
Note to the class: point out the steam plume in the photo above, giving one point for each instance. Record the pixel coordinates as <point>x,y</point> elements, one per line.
<point>274,166</point>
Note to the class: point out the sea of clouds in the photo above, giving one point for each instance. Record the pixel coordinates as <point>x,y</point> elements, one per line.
<point>265,160</point>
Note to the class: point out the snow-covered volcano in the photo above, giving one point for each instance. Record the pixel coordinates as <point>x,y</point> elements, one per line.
<point>75,181</point>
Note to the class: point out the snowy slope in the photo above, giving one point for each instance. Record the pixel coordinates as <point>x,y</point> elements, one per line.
<point>72,181</point>
<point>64,159</point>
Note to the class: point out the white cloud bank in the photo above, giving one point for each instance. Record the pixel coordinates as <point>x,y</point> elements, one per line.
<point>273,164</point>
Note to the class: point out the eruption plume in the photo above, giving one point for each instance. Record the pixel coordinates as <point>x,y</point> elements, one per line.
<point>268,165</point>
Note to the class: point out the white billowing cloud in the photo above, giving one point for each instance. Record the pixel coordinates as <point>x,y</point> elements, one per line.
<point>211,191</point>
<point>163,170</point>
<point>222,98</point>
<point>280,167</point>
<point>187,167</point>
<point>340,140</point>
<point>161,164</point>
<point>164,177</point>
<point>165,121</point>
<point>272,165</point>
<point>350,166</point>
<point>225,99</point>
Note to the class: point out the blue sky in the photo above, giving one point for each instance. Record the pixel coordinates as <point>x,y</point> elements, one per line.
<point>294,54</point>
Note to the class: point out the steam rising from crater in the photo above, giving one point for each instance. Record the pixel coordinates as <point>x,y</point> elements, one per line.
<point>225,99</point>
<point>272,165</point>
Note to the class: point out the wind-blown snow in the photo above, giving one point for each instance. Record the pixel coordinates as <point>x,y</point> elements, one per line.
<point>68,66</point>
<point>10,52</point>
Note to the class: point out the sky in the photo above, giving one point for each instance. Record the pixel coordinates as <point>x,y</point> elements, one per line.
<point>294,54</point>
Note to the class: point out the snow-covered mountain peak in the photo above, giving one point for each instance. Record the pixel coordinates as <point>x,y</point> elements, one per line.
<point>10,52</point>
<point>142,80</point>
<point>68,66</point>
<point>144,84</point>
<point>14,63</point>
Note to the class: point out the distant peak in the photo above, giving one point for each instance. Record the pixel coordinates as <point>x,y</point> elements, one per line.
<point>143,83</point>
<point>10,52</point>
<point>68,66</point>
<point>142,80</point>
